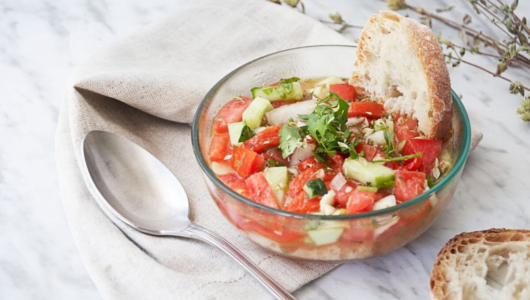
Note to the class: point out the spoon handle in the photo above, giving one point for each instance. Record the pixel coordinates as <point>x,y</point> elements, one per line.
<point>214,239</point>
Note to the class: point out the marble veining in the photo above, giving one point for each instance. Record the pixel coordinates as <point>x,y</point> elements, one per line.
<point>42,41</point>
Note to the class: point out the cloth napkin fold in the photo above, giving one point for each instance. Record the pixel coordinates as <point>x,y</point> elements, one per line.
<point>146,88</point>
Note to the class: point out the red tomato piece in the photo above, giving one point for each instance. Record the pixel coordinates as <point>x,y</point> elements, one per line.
<point>268,138</point>
<point>307,163</point>
<point>335,162</point>
<point>409,185</point>
<point>366,109</point>
<point>246,162</point>
<point>343,195</point>
<point>369,151</point>
<point>219,147</point>
<point>345,91</point>
<point>412,164</point>
<point>232,112</point>
<point>361,201</point>
<point>260,190</point>
<point>236,184</point>
<point>407,129</point>
<point>301,204</point>
<point>430,150</point>
<point>295,196</point>
<point>276,155</point>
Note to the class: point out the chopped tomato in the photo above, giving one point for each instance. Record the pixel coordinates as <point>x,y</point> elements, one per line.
<point>430,150</point>
<point>406,129</point>
<point>335,162</point>
<point>345,91</point>
<point>276,155</point>
<point>246,162</point>
<point>275,233</point>
<point>231,113</point>
<point>260,190</point>
<point>268,138</point>
<point>307,163</point>
<point>295,196</point>
<point>369,151</point>
<point>301,204</point>
<point>412,164</point>
<point>409,185</point>
<point>361,201</point>
<point>358,231</point>
<point>366,109</point>
<point>343,195</point>
<point>236,184</point>
<point>219,147</point>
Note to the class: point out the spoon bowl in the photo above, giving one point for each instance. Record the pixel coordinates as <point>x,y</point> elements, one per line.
<point>135,187</point>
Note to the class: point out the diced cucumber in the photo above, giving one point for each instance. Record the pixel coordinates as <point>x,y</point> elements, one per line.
<point>325,236</point>
<point>367,189</point>
<point>278,178</point>
<point>234,130</point>
<point>255,112</point>
<point>283,91</point>
<point>315,187</point>
<point>366,172</point>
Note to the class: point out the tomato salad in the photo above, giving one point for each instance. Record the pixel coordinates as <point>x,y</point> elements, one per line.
<point>315,146</point>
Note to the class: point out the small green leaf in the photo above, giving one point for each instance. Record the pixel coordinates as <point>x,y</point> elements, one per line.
<point>467,19</point>
<point>275,1</point>
<point>291,3</point>
<point>396,4</point>
<point>449,8</point>
<point>514,5</point>
<point>463,36</point>
<point>246,134</point>
<point>290,139</point>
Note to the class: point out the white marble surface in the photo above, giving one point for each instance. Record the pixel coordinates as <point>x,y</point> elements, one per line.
<point>42,41</point>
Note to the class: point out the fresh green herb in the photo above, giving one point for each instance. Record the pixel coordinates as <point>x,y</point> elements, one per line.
<point>399,158</point>
<point>389,149</point>
<point>319,157</point>
<point>289,139</point>
<point>431,181</point>
<point>246,133</point>
<point>274,163</point>
<point>315,187</point>
<point>289,80</point>
<point>327,125</point>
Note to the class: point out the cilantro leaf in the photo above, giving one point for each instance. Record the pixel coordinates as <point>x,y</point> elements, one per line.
<point>246,133</point>
<point>289,139</point>
<point>271,162</point>
<point>289,80</point>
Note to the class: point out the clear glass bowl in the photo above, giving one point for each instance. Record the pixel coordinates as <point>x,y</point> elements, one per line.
<point>340,238</point>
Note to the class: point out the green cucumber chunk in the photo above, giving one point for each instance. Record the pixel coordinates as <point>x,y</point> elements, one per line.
<point>367,189</point>
<point>371,174</point>
<point>283,91</point>
<point>278,180</point>
<point>234,131</point>
<point>325,236</point>
<point>255,112</point>
<point>315,187</point>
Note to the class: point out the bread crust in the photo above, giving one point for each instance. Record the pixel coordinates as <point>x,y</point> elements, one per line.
<point>428,50</point>
<point>458,244</point>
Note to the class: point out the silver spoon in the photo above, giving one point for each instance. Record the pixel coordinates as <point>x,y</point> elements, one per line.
<point>138,189</point>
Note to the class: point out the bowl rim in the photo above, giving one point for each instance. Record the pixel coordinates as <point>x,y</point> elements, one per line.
<point>459,164</point>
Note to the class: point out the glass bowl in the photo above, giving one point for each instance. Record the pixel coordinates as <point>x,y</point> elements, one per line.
<point>338,238</point>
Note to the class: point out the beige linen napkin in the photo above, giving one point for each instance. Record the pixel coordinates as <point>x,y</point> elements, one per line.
<point>146,88</point>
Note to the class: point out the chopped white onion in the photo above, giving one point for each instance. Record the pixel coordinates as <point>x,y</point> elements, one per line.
<point>282,114</point>
<point>377,137</point>
<point>337,182</point>
<point>328,199</point>
<point>259,129</point>
<point>221,169</point>
<point>386,202</point>
<point>301,153</point>
<point>354,121</point>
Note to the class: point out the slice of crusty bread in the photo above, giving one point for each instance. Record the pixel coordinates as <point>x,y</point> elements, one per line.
<point>483,265</point>
<point>401,65</point>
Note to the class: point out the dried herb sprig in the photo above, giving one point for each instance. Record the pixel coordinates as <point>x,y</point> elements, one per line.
<point>510,52</point>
